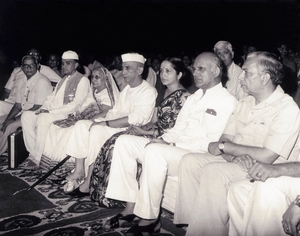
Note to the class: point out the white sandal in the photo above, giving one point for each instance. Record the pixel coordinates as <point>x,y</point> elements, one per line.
<point>73,184</point>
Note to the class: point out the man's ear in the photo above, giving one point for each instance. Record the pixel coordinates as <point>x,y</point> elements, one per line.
<point>140,70</point>
<point>265,78</point>
<point>215,71</point>
<point>179,75</point>
<point>76,65</point>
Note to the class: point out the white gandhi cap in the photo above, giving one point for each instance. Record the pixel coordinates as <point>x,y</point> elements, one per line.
<point>133,57</point>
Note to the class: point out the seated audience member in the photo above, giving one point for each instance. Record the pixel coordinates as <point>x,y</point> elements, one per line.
<point>116,71</point>
<point>263,129</point>
<point>18,74</point>
<point>253,206</point>
<point>283,49</point>
<point>102,98</point>
<point>30,95</point>
<point>172,72</point>
<point>201,120</point>
<point>224,50</point>
<point>67,96</point>
<point>53,62</point>
<point>134,107</point>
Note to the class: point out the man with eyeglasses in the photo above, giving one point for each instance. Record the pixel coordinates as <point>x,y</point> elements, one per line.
<point>224,51</point>
<point>9,94</point>
<point>262,130</point>
<point>30,95</point>
<point>67,96</point>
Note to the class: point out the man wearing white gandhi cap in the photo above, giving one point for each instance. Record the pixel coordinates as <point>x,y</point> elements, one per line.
<point>68,94</point>
<point>134,107</point>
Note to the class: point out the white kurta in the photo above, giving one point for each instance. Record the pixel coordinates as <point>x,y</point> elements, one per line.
<point>201,120</point>
<point>135,103</point>
<point>233,84</point>
<point>35,127</point>
<point>57,138</point>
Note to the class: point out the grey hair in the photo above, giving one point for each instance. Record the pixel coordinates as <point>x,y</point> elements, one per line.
<point>225,44</point>
<point>31,57</point>
<point>270,64</point>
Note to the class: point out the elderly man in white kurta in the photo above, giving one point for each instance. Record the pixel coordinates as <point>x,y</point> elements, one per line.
<point>68,95</point>
<point>134,107</point>
<point>10,88</point>
<point>263,128</point>
<point>224,50</point>
<point>30,95</point>
<point>201,120</point>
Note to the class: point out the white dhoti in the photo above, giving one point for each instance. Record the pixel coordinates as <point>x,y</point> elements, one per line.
<point>35,129</point>
<point>85,143</point>
<point>56,141</point>
<point>257,208</point>
<point>158,160</point>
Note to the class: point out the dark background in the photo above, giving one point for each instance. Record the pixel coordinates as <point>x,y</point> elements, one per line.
<point>107,27</point>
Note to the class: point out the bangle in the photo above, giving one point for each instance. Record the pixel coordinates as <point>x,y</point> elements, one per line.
<point>107,123</point>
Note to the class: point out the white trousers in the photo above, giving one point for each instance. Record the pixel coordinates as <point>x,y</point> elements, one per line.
<point>210,214</point>
<point>35,129</point>
<point>189,177</point>
<point>85,143</point>
<point>9,129</point>
<point>257,208</point>
<point>158,160</point>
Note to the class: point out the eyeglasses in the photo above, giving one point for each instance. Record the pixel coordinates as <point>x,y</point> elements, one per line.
<point>26,67</point>
<point>96,77</point>
<point>33,54</point>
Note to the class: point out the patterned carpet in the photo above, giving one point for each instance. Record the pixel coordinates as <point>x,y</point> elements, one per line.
<point>47,210</point>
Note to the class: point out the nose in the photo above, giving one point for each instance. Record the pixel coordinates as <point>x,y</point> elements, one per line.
<point>242,76</point>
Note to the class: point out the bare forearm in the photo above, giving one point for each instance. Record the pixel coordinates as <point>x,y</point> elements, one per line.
<point>118,123</point>
<point>287,169</point>
<point>263,155</point>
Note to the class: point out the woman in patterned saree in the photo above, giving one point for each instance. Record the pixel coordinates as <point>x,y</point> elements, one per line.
<point>172,73</point>
<point>102,97</point>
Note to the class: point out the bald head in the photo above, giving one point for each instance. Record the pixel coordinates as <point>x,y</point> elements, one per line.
<point>207,70</point>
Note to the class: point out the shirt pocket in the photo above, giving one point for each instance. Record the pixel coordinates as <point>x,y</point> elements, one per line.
<point>259,130</point>
<point>209,119</point>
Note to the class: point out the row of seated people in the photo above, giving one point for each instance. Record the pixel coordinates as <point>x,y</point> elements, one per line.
<point>259,130</point>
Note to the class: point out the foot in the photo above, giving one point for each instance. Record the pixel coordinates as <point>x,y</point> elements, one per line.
<point>145,226</point>
<point>75,175</point>
<point>71,185</point>
<point>76,193</point>
<point>121,220</point>
<point>30,163</point>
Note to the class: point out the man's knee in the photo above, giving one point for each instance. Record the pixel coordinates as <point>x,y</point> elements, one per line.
<point>189,163</point>
<point>28,116</point>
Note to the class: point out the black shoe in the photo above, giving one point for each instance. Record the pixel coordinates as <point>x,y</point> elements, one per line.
<point>76,193</point>
<point>150,229</point>
<point>114,223</point>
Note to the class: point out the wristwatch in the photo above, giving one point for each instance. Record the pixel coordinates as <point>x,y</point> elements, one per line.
<point>297,201</point>
<point>221,147</point>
